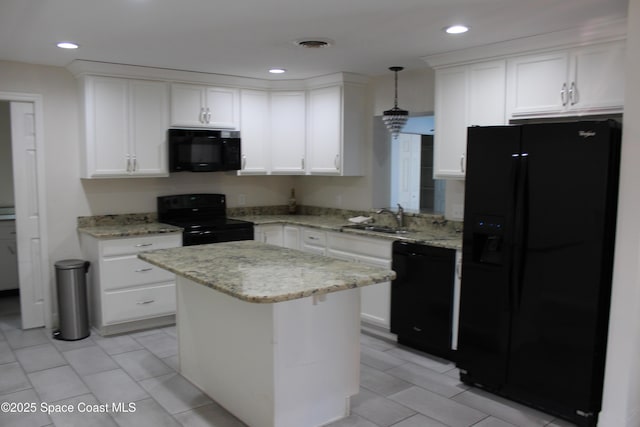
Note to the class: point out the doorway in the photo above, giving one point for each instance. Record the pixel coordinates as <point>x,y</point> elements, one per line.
<point>27,160</point>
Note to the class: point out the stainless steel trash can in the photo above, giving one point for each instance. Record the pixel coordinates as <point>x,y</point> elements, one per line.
<point>72,299</point>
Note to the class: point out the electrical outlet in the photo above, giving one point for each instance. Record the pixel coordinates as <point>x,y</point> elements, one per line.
<point>242,200</point>
<point>457,210</point>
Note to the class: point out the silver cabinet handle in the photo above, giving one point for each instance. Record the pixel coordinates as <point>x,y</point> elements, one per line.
<point>302,161</point>
<point>563,94</point>
<point>415,328</point>
<point>142,245</point>
<point>244,162</point>
<point>149,301</point>
<point>573,94</point>
<point>128,160</point>
<point>336,162</point>
<point>462,163</point>
<point>313,238</point>
<point>11,250</point>
<point>134,167</point>
<point>143,270</point>
<point>208,115</point>
<point>202,118</point>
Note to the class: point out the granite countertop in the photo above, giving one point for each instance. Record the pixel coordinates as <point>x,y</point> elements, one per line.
<point>128,230</point>
<point>261,273</point>
<point>437,236</point>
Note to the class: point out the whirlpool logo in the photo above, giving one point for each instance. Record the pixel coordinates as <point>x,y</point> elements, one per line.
<point>586,133</point>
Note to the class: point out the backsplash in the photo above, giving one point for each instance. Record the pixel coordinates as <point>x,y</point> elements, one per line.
<point>412,221</point>
<point>122,219</point>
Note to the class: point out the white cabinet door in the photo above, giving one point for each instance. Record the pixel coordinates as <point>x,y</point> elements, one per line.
<point>203,106</point>
<point>125,123</point>
<point>450,138</point>
<point>255,123</point>
<point>148,127</point>
<point>313,240</point>
<point>188,103</point>
<point>222,108</point>
<point>288,132</point>
<point>597,77</point>
<point>585,80</point>
<point>291,237</point>
<point>538,84</point>
<point>375,300</point>
<point>269,233</point>
<point>468,95</point>
<point>106,127</point>
<point>487,94</point>
<point>324,133</point>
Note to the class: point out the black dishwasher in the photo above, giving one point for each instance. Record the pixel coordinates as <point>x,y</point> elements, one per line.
<point>422,297</point>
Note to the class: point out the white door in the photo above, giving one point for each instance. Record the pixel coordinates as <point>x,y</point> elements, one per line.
<point>30,256</point>
<point>408,170</point>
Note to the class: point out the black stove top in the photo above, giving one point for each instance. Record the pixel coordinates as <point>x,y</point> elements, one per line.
<point>203,217</point>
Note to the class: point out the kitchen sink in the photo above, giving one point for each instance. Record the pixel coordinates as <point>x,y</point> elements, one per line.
<point>375,228</point>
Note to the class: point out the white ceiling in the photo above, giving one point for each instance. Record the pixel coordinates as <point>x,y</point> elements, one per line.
<point>246,37</point>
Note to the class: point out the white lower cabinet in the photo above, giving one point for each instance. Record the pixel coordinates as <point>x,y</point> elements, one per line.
<point>126,293</point>
<point>375,303</point>
<point>269,233</point>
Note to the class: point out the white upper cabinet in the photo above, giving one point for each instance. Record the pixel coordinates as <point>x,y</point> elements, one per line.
<point>204,106</point>
<point>288,116</point>
<point>125,124</point>
<point>335,130</point>
<point>467,95</point>
<point>254,131</point>
<point>585,80</point>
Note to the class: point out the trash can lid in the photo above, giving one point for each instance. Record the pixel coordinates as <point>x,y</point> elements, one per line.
<point>71,264</point>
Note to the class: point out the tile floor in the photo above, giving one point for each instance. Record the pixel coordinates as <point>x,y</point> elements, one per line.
<point>399,387</point>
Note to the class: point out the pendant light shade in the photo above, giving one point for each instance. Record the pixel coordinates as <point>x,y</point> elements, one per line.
<point>395,118</point>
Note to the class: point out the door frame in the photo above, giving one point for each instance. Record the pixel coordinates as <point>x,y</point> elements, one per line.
<point>39,198</point>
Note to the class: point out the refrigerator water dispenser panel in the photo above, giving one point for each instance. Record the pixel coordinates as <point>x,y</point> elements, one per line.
<point>488,240</point>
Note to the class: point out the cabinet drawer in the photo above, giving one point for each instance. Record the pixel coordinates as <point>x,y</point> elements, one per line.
<point>313,237</point>
<point>123,272</point>
<point>368,247</point>
<point>140,303</point>
<point>138,244</point>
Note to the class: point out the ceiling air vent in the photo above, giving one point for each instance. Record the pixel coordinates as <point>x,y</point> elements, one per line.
<point>314,43</point>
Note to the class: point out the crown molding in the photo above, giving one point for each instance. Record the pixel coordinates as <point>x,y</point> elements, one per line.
<point>596,33</point>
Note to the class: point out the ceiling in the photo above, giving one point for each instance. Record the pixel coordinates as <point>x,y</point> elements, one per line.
<point>247,37</point>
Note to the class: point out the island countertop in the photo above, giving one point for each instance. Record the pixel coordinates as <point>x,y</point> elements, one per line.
<point>261,273</point>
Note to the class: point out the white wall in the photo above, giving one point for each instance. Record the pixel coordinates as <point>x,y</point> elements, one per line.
<point>621,403</point>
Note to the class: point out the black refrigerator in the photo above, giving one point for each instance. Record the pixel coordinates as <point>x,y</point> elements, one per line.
<point>538,242</point>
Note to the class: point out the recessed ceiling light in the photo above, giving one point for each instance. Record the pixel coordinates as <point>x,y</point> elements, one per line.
<point>67,45</point>
<point>277,70</point>
<point>456,29</point>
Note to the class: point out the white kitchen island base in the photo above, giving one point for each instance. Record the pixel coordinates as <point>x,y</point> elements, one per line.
<point>285,364</point>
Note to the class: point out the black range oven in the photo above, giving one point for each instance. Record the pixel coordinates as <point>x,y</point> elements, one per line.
<point>203,217</point>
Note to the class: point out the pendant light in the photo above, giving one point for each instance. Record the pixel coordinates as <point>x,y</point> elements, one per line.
<point>395,118</point>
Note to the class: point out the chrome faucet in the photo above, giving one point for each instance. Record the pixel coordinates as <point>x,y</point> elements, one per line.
<point>398,216</point>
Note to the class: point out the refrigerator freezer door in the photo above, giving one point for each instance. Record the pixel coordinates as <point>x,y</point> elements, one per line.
<point>485,300</point>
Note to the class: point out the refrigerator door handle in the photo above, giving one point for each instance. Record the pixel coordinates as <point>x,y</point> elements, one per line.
<point>520,234</point>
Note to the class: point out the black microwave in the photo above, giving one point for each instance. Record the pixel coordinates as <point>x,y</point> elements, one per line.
<point>204,150</point>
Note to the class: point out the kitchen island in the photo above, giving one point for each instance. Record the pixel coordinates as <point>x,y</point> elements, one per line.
<point>271,334</point>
